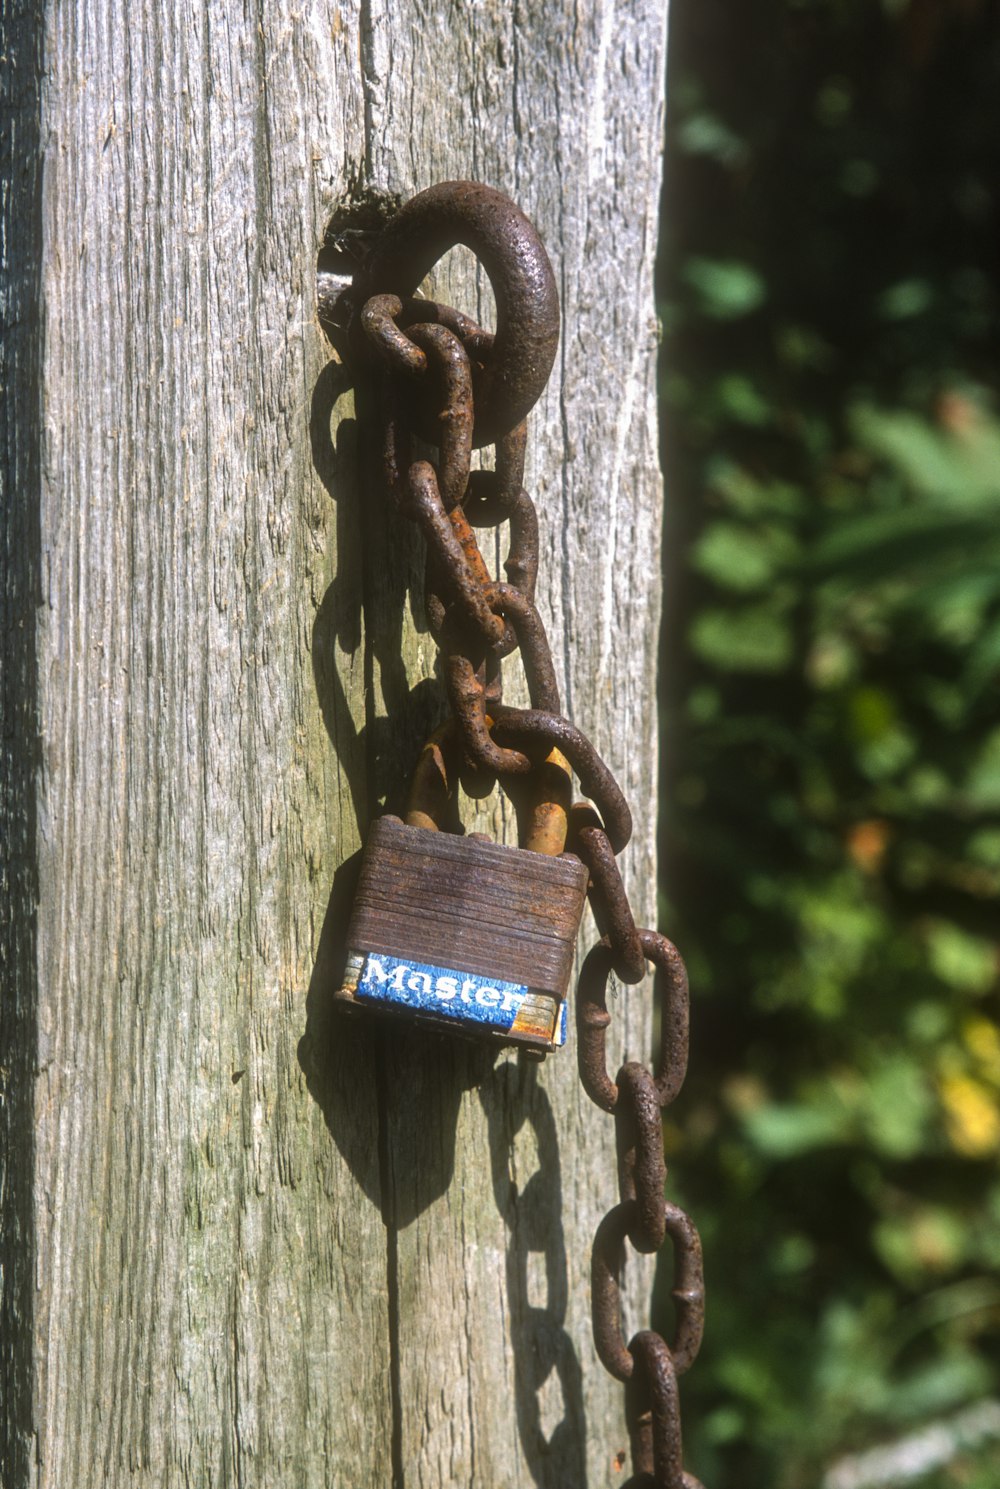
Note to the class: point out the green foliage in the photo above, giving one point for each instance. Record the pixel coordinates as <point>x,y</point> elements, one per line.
<point>724,290</point>
<point>832,828</point>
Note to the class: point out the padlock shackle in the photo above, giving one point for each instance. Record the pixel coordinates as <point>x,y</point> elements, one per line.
<point>542,799</point>
<point>430,786</point>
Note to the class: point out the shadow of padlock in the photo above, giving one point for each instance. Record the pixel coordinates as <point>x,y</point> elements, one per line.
<point>461,933</point>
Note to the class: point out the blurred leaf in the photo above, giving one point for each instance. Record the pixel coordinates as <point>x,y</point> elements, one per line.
<point>907,298</point>
<point>752,639</point>
<point>983,664</point>
<point>982,787</point>
<point>957,466</point>
<point>706,134</point>
<point>873,713</point>
<point>832,662</point>
<point>884,747</point>
<point>742,558</point>
<point>918,1244</point>
<point>786,1131</point>
<point>968,963</point>
<point>743,401</point>
<point>888,544</point>
<point>982,1039</point>
<point>984,846</point>
<point>802,346</point>
<point>941,1385</point>
<point>972,1116</point>
<point>726,289</point>
<point>749,496</point>
<point>897,1106</point>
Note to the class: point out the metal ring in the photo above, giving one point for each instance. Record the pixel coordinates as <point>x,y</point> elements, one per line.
<point>592,1020</point>
<point>642,1168</point>
<point>454,432</point>
<point>529,630</point>
<point>425,504</point>
<point>512,254</point>
<point>688,1291</point>
<point>657,1429</point>
<point>526,727</point>
<point>608,898</point>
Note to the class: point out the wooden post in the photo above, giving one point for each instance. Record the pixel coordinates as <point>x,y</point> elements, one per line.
<point>245,1243</point>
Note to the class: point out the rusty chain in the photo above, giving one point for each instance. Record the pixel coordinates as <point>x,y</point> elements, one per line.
<point>447,382</point>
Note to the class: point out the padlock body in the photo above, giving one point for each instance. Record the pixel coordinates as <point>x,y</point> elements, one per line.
<point>474,937</point>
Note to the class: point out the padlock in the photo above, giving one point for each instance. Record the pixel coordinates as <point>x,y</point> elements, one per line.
<point>461,933</point>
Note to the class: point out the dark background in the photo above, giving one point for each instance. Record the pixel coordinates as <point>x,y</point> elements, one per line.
<point>831,832</point>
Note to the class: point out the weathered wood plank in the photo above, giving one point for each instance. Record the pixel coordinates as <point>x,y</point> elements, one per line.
<point>247,1242</point>
<point>213,1298</point>
<point>20,473</point>
<point>499,1175</point>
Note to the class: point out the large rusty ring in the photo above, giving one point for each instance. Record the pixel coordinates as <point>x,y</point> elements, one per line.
<point>511,252</point>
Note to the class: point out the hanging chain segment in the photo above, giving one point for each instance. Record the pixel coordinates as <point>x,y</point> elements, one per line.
<point>450,383</point>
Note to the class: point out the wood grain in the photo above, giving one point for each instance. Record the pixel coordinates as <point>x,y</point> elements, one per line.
<point>20,474</point>
<point>477,907</point>
<point>246,1243</point>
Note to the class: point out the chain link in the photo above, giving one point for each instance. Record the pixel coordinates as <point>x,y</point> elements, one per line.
<point>448,382</point>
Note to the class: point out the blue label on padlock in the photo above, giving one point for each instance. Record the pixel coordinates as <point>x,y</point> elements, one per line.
<point>559,1037</point>
<point>458,995</point>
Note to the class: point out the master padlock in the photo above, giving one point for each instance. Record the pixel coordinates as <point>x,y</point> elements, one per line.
<point>461,933</point>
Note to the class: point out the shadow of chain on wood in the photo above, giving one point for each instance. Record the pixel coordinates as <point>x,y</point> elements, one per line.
<point>379,573</point>
<point>532,1211</point>
<point>379,567</point>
